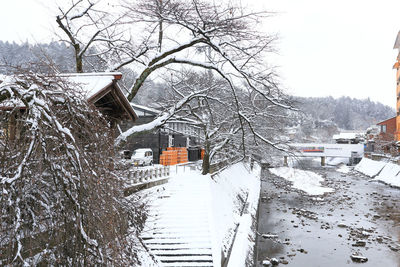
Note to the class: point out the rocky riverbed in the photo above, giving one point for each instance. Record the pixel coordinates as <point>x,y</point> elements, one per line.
<point>357,224</point>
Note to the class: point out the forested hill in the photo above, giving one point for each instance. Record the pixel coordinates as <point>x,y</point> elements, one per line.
<point>347,113</point>
<point>14,54</point>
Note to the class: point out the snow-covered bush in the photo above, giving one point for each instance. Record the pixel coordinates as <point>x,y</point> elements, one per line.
<point>61,202</point>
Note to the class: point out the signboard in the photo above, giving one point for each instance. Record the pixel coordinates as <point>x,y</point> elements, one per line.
<point>327,150</point>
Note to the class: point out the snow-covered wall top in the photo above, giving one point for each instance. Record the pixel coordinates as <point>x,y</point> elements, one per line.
<point>386,172</point>
<point>348,135</point>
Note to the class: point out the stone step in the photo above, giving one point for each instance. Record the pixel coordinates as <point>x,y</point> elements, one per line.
<point>187,264</point>
<point>182,251</point>
<point>171,240</point>
<point>183,258</point>
<point>172,246</point>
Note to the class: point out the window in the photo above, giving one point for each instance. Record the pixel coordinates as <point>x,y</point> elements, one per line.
<point>383,128</point>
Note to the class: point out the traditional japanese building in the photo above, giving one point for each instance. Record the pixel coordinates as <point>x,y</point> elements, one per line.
<point>99,89</point>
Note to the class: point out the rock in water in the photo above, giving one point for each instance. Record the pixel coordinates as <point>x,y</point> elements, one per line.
<point>360,243</point>
<point>274,261</point>
<point>358,258</point>
<point>266,263</point>
<point>269,236</point>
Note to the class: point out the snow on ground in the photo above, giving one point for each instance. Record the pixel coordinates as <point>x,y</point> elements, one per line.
<point>344,169</point>
<point>336,161</point>
<point>370,167</point>
<point>231,183</point>
<point>307,181</point>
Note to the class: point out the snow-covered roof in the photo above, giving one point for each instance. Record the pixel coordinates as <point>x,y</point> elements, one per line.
<point>183,120</point>
<point>387,120</point>
<point>347,136</point>
<point>95,86</point>
<point>144,109</point>
<point>92,83</point>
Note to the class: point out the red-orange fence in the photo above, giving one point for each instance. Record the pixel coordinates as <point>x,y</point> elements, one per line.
<point>174,155</point>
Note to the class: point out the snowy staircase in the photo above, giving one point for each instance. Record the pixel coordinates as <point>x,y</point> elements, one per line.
<point>178,231</point>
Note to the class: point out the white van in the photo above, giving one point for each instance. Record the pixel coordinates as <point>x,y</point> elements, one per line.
<point>142,157</point>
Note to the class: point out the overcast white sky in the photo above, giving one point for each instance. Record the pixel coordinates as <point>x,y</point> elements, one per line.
<point>341,47</point>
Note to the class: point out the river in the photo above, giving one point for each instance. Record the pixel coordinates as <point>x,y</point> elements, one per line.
<point>299,230</point>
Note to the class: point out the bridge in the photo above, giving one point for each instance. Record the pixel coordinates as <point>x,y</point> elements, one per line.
<point>324,151</point>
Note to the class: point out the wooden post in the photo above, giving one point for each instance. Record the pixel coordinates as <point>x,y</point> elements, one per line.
<point>12,127</point>
<point>322,161</point>
<point>285,161</point>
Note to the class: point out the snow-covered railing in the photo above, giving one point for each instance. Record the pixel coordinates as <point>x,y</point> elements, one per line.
<point>139,179</point>
<point>142,176</point>
<point>219,166</point>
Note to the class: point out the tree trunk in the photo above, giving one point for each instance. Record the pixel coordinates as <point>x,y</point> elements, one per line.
<point>78,59</point>
<point>206,163</point>
<point>160,30</point>
<point>79,65</point>
<point>206,158</point>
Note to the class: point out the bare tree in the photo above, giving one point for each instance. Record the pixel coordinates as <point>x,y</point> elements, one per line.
<point>61,201</point>
<point>221,38</point>
<point>94,32</point>
<point>224,136</point>
<point>203,35</point>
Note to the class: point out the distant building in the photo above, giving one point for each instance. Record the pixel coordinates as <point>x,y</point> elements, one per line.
<point>387,129</point>
<point>397,67</point>
<point>385,141</point>
<point>349,138</point>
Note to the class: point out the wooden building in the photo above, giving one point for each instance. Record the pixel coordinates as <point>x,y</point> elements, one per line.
<point>177,132</point>
<point>387,129</point>
<point>102,90</point>
<point>99,89</point>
